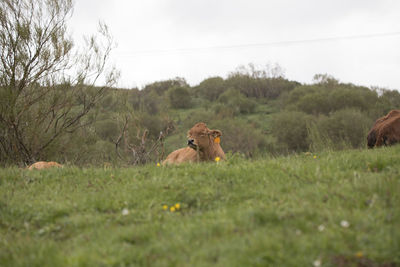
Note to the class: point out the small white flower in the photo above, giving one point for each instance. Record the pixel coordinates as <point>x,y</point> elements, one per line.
<point>321,228</point>
<point>317,263</point>
<point>125,211</point>
<point>344,224</point>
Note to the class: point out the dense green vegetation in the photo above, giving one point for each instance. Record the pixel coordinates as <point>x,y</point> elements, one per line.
<point>331,208</point>
<point>259,115</point>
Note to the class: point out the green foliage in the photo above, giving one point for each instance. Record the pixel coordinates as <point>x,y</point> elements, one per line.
<point>152,123</point>
<point>179,97</point>
<point>152,103</point>
<point>290,129</point>
<point>239,136</point>
<point>160,88</point>
<point>389,100</point>
<point>234,103</point>
<point>211,88</point>
<point>284,211</point>
<point>344,128</point>
<point>107,129</point>
<point>325,80</point>
<point>260,83</point>
<point>321,99</point>
<point>195,116</point>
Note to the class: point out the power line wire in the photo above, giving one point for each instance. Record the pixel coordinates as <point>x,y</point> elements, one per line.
<point>276,43</point>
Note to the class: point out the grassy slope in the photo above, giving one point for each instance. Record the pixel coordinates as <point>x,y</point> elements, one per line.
<point>235,213</point>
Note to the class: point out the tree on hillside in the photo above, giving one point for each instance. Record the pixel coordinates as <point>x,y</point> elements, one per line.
<point>46,84</point>
<point>325,79</point>
<point>211,88</point>
<point>179,97</point>
<point>163,86</point>
<point>261,82</point>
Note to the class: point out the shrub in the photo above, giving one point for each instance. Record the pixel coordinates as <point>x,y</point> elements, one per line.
<point>324,99</point>
<point>211,88</point>
<point>179,97</point>
<point>235,102</point>
<point>240,136</point>
<point>343,129</point>
<point>107,129</point>
<point>199,115</point>
<point>290,129</point>
<point>152,103</point>
<point>161,87</point>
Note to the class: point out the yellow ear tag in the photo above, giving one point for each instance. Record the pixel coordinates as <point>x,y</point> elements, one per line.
<point>217,140</point>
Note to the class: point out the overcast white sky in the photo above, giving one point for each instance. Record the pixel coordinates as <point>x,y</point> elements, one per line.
<point>163,39</point>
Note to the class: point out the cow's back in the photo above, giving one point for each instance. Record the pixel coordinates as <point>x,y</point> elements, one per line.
<point>372,136</point>
<point>44,165</point>
<point>181,155</point>
<point>389,131</point>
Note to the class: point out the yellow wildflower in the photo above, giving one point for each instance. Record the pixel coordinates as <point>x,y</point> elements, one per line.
<point>315,157</point>
<point>165,207</point>
<point>172,209</point>
<point>177,206</point>
<point>158,164</point>
<point>359,254</point>
<point>217,159</point>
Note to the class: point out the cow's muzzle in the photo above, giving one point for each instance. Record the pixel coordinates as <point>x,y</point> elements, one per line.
<point>191,144</point>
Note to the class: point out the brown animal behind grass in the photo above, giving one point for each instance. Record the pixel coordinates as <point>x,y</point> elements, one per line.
<point>40,165</point>
<point>203,145</point>
<point>389,132</point>
<point>385,130</point>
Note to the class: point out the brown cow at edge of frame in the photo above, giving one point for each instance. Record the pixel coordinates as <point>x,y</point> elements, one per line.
<point>385,131</point>
<point>40,165</point>
<point>203,145</point>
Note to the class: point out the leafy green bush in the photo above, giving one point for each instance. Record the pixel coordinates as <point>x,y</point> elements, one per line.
<point>195,116</point>
<point>163,86</point>
<point>389,100</point>
<point>107,129</point>
<point>154,124</point>
<point>152,103</point>
<point>211,88</point>
<point>345,128</point>
<point>179,97</point>
<point>239,136</point>
<point>235,102</point>
<point>324,99</point>
<point>290,129</point>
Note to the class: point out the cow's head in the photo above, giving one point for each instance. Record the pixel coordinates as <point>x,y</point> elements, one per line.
<point>371,139</point>
<point>201,138</point>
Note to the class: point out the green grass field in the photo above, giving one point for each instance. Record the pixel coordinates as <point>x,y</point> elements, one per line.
<point>328,209</point>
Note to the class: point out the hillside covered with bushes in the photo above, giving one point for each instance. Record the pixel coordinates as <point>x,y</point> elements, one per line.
<point>258,110</point>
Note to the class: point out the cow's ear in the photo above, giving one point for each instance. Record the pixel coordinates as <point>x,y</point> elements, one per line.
<point>216,133</point>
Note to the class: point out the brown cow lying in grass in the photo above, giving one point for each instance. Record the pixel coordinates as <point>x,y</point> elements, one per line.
<point>44,165</point>
<point>203,145</point>
<point>385,131</point>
